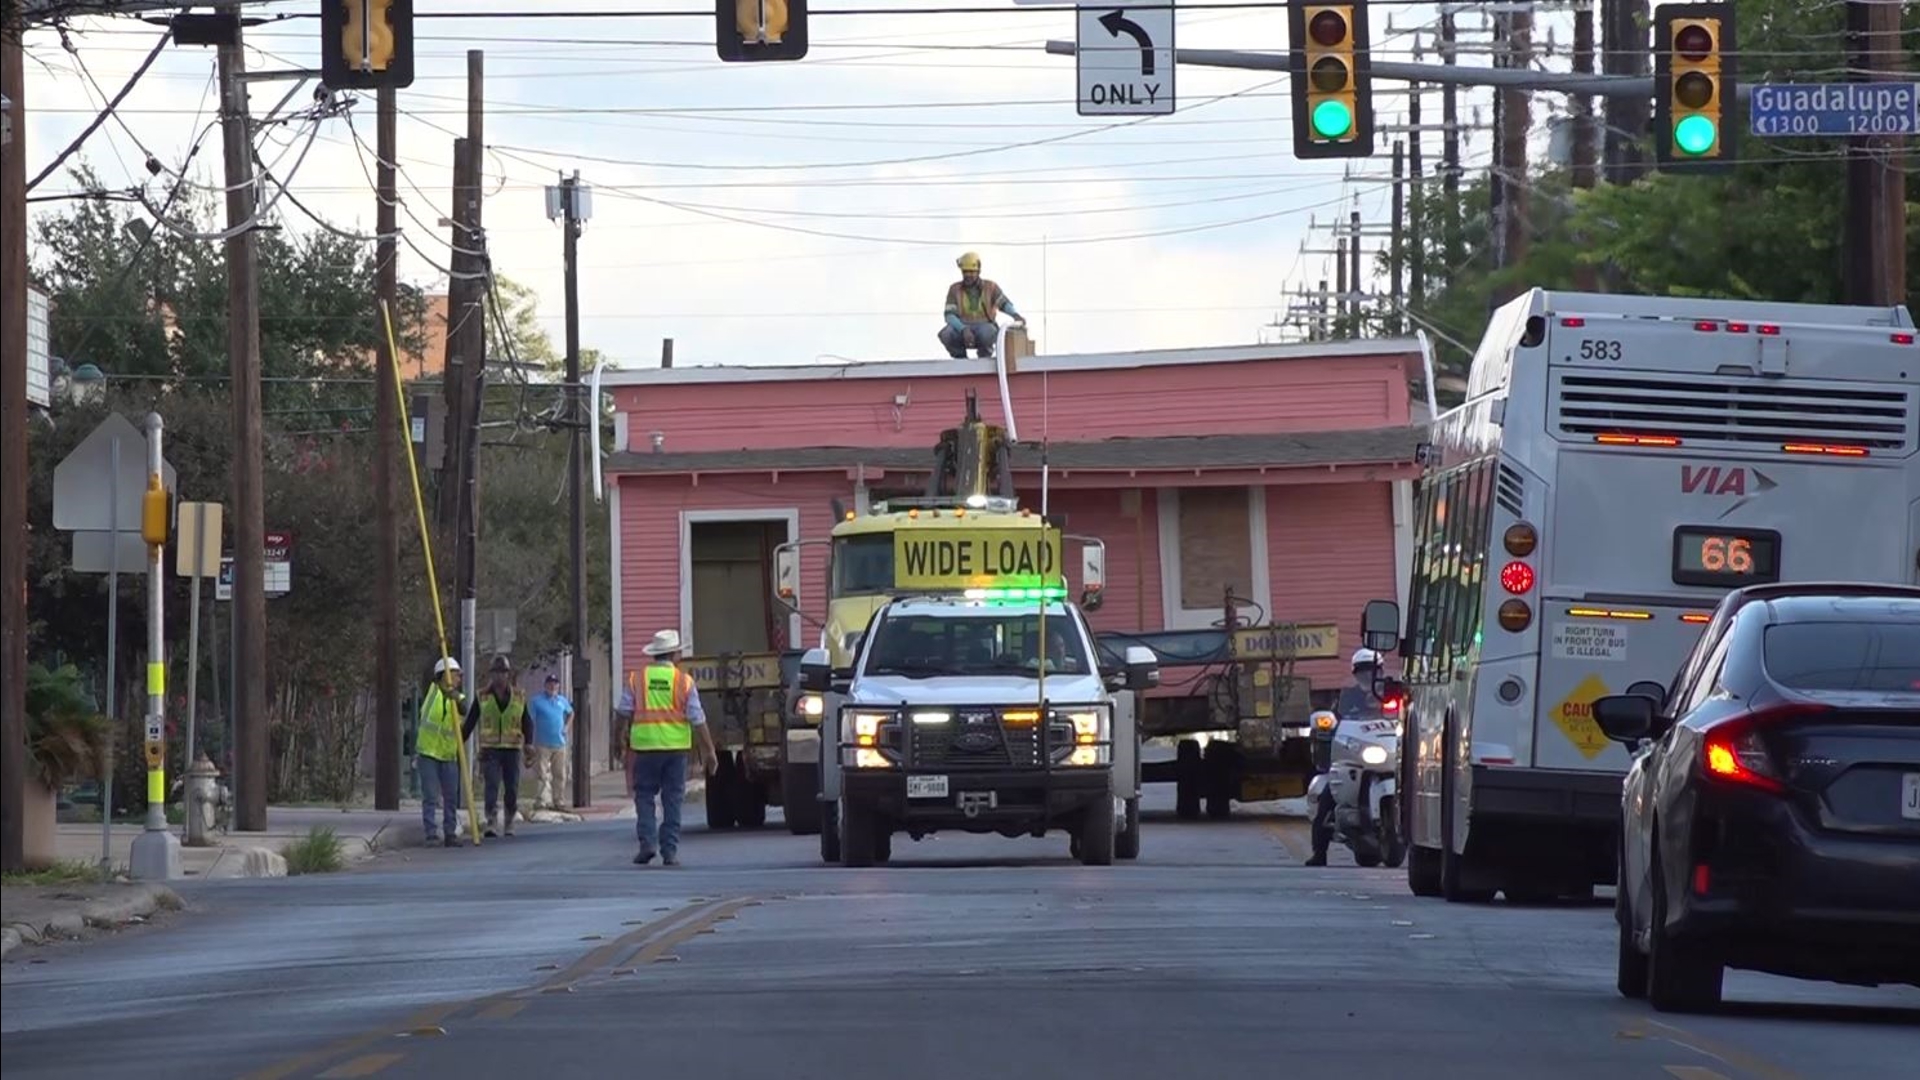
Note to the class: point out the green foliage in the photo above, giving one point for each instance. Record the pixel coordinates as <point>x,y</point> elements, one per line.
<point>64,872</point>
<point>318,852</point>
<point>67,739</point>
<point>151,312</point>
<point>1770,228</point>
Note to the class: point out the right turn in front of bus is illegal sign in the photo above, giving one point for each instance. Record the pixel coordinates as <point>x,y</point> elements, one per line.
<point>1590,641</point>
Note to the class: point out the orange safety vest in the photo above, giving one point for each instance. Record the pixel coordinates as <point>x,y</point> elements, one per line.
<point>660,718</point>
<point>971,309</point>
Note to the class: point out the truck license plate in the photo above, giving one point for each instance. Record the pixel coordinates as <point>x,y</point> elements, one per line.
<point>1910,797</point>
<point>926,787</point>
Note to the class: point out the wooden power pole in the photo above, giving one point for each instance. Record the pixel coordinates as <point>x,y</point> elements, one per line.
<point>249,612</point>
<point>1875,235</point>
<point>386,418</point>
<point>13,444</point>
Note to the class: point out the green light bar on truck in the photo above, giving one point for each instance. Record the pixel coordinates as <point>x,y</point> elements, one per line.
<point>1018,592</point>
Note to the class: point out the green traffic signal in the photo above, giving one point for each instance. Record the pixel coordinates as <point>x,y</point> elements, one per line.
<point>1332,119</point>
<point>1695,135</point>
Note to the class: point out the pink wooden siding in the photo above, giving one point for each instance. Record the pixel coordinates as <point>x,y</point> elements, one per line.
<point>1330,550</point>
<point>1133,570</point>
<point>1186,399</point>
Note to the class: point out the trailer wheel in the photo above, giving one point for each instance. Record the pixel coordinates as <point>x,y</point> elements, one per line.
<point>800,799</point>
<point>1219,763</point>
<point>1189,778</point>
<point>1127,844</point>
<point>750,803</point>
<point>721,806</point>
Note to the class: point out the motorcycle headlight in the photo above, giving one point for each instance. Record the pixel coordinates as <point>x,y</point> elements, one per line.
<point>1374,755</point>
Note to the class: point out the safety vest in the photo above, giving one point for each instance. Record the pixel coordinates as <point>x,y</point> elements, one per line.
<point>660,722</point>
<point>502,727</point>
<point>974,307</point>
<point>439,734</point>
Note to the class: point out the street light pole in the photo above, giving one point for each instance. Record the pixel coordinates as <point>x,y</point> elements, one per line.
<point>571,204</point>
<point>156,852</point>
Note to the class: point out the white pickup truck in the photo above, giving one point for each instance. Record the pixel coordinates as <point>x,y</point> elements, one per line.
<point>947,720</point>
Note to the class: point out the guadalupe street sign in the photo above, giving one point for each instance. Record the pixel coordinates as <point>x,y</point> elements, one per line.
<point>1789,110</point>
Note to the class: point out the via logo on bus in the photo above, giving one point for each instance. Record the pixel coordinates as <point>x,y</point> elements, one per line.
<point>1713,480</point>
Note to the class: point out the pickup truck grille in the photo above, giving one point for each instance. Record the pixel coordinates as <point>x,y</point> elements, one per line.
<point>979,739</point>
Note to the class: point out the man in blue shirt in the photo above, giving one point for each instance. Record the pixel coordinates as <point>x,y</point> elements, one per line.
<point>552,729</point>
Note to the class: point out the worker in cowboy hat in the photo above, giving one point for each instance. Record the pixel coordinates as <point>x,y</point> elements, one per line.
<point>506,727</point>
<point>973,311</point>
<point>666,719</point>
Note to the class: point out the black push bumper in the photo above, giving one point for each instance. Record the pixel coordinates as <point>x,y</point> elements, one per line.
<point>1019,797</point>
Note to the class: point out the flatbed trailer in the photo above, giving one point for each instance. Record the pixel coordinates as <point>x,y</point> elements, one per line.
<point>747,702</point>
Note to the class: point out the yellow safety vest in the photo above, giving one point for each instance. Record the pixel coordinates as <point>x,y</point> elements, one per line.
<point>660,722</point>
<point>974,307</point>
<point>439,734</point>
<point>501,728</point>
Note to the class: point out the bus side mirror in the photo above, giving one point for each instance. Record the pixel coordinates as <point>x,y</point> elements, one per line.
<point>1380,626</point>
<point>786,575</point>
<point>816,671</point>
<point>1143,668</point>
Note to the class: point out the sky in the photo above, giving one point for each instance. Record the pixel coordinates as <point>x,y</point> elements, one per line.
<point>803,212</point>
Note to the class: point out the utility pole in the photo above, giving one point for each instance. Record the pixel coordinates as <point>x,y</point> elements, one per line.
<point>1450,143</point>
<point>1416,197</point>
<point>1397,245</point>
<point>1628,117</point>
<point>1874,237</point>
<point>1354,307</point>
<point>1340,285</point>
<point>386,568</point>
<point>1510,172</point>
<point>249,612</point>
<point>474,348</point>
<point>571,204</point>
<point>13,443</point>
<point>1584,175</point>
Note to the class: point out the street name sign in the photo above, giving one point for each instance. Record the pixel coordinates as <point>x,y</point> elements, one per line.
<point>1789,110</point>
<point>1124,61</point>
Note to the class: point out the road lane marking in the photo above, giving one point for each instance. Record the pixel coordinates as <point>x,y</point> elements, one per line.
<point>1730,1055</point>
<point>1693,1072</point>
<point>438,1014</point>
<point>360,1066</point>
<point>503,1010</point>
<point>1286,831</point>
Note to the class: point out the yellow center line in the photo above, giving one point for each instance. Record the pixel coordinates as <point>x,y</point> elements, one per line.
<point>360,1066</point>
<point>1731,1055</point>
<point>503,1010</point>
<point>1286,831</point>
<point>435,1015</point>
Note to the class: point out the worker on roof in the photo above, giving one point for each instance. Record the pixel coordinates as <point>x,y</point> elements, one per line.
<point>974,305</point>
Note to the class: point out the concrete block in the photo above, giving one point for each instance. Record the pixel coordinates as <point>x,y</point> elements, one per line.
<point>262,863</point>
<point>155,856</point>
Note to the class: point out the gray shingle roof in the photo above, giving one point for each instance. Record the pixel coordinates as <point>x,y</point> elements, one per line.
<point>1367,446</point>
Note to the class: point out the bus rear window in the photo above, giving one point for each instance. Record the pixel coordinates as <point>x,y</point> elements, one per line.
<point>1876,656</point>
<point>863,565</point>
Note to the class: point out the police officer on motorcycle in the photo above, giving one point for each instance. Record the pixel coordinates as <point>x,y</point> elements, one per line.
<point>1355,699</point>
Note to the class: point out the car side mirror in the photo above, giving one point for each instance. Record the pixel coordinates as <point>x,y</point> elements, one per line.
<point>1626,718</point>
<point>1143,668</point>
<point>816,671</point>
<point>1380,626</point>
<point>1647,688</point>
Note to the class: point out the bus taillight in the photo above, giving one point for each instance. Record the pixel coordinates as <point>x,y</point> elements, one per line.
<point>1515,616</point>
<point>1520,539</point>
<point>1517,578</point>
<point>1901,337</point>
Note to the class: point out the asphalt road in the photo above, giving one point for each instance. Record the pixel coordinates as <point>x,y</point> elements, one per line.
<point>1216,954</point>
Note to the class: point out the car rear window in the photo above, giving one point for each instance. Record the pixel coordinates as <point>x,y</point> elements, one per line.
<point>1844,655</point>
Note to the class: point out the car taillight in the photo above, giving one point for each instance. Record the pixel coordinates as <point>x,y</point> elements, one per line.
<point>1735,753</point>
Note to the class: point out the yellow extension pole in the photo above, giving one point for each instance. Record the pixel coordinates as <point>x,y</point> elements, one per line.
<point>426,542</point>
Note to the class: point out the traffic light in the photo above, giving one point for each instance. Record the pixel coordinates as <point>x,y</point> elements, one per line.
<point>1693,87</point>
<point>760,29</point>
<point>366,44</point>
<point>1332,79</point>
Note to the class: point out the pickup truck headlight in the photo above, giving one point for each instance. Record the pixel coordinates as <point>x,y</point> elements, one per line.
<point>860,730</point>
<point>812,706</point>
<point>1091,736</point>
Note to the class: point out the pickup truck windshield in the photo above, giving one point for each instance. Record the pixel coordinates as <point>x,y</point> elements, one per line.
<point>927,646</point>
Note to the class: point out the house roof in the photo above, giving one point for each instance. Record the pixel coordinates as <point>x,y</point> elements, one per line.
<point>1391,445</point>
<point>1406,348</point>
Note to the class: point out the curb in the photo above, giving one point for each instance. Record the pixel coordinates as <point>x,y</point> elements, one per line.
<point>98,914</point>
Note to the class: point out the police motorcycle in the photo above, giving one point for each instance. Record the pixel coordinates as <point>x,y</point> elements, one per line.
<point>1356,755</point>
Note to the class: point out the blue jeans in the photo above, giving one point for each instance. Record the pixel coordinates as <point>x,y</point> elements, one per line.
<point>984,334</point>
<point>661,773</point>
<point>439,783</point>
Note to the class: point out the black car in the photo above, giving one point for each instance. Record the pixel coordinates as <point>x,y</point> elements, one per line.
<point>1771,818</point>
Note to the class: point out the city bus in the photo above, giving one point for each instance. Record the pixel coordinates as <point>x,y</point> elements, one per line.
<point>1618,465</point>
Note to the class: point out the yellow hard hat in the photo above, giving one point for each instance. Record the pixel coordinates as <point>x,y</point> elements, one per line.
<point>969,261</point>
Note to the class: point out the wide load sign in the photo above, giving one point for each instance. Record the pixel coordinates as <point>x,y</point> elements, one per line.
<point>932,560</point>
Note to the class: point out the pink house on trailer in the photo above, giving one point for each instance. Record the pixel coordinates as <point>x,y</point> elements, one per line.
<point>1280,471</point>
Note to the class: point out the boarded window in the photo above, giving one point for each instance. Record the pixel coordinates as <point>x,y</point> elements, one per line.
<point>1216,550</point>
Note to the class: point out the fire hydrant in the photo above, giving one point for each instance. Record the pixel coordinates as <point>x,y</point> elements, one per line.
<point>205,797</point>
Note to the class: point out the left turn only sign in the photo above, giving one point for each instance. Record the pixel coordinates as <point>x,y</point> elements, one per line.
<point>1125,61</point>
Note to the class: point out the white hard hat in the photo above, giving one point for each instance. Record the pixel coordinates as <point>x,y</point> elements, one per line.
<point>1365,658</point>
<point>447,663</point>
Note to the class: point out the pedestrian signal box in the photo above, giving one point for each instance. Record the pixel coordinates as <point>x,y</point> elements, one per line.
<point>366,44</point>
<point>1332,79</point>
<point>1694,87</point>
<point>749,30</point>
